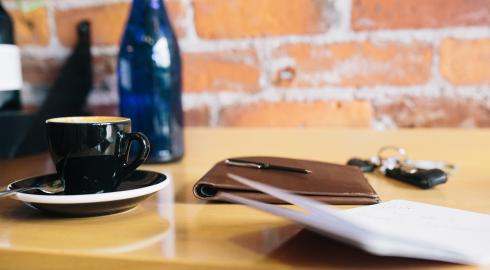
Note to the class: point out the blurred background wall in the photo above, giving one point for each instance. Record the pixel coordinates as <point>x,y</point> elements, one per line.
<point>299,63</point>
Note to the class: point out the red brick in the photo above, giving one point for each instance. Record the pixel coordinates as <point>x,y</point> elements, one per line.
<point>252,18</point>
<point>31,28</point>
<point>108,21</point>
<point>299,114</point>
<point>177,12</point>
<point>352,64</point>
<point>221,71</point>
<point>465,61</point>
<point>196,117</point>
<point>413,112</point>
<point>396,14</point>
<point>104,69</point>
<point>192,118</point>
<point>40,72</point>
<point>107,109</point>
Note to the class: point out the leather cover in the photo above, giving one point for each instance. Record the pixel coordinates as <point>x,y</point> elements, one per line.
<point>327,182</point>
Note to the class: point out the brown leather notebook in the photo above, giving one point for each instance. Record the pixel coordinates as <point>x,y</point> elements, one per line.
<point>327,182</point>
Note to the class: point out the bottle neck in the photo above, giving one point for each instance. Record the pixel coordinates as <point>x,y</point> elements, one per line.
<point>83,30</point>
<point>142,10</point>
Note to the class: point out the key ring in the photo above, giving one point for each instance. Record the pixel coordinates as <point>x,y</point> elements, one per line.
<point>399,158</point>
<point>390,157</point>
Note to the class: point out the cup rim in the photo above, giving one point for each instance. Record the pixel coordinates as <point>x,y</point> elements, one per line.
<point>86,120</point>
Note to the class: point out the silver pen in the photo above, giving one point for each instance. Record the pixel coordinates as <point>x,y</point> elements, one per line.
<point>264,166</point>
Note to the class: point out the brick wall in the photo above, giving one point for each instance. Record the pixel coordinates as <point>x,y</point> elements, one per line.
<point>312,63</point>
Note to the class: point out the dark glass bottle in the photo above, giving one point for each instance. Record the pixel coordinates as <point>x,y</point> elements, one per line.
<point>10,67</point>
<point>150,79</point>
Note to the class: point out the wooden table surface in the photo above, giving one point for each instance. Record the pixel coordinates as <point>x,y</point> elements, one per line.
<point>173,230</point>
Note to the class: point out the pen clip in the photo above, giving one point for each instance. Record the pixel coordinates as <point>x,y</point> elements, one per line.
<point>243,164</point>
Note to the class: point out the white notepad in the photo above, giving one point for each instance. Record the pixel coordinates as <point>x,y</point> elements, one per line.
<point>395,228</point>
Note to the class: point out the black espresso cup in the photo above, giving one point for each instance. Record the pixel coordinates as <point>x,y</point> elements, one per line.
<point>91,152</point>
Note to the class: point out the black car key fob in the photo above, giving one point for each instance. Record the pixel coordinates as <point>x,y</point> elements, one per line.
<point>419,177</point>
<point>363,165</point>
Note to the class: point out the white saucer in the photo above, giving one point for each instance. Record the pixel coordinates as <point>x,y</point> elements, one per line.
<point>133,189</point>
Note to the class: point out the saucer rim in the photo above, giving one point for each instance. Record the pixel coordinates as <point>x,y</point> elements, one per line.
<point>90,198</point>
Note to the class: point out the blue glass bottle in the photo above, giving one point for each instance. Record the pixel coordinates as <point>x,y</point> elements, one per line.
<point>150,79</point>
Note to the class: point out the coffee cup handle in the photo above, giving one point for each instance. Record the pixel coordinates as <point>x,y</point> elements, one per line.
<point>143,152</point>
